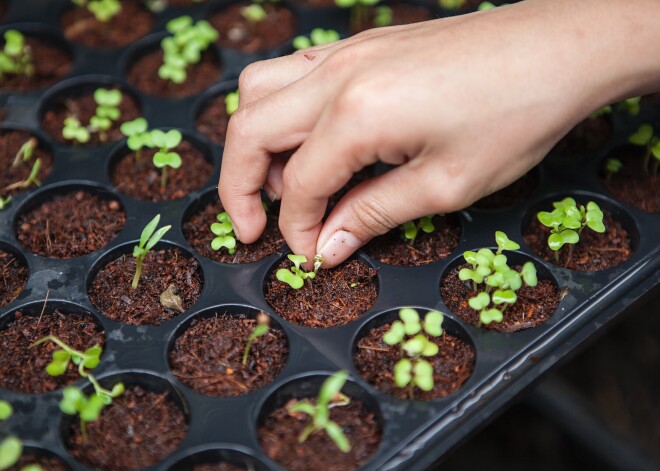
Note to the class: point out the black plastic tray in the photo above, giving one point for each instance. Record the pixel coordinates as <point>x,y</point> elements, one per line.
<point>415,434</point>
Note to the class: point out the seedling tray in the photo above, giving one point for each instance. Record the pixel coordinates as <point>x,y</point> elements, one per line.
<point>415,433</point>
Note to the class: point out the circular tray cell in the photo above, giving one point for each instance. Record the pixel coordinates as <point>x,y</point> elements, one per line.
<point>22,368</point>
<point>279,430</point>
<point>22,153</point>
<point>15,274</point>
<point>393,249</point>
<point>132,22</point>
<point>534,305</point>
<point>49,56</point>
<point>587,137</point>
<point>516,193</point>
<point>207,353</point>
<point>218,459</point>
<point>78,98</point>
<point>140,428</point>
<point>69,221</point>
<point>203,213</point>
<point>595,251</point>
<point>211,113</point>
<point>336,296</point>
<point>375,360</point>
<point>134,173</point>
<point>401,14</point>
<point>171,282</point>
<point>634,183</point>
<point>145,59</point>
<point>35,456</point>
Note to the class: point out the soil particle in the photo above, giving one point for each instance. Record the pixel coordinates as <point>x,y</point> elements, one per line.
<point>391,248</point>
<point>533,307</point>
<point>594,252</point>
<point>140,179</point>
<point>14,277</point>
<point>23,368</point>
<point>402,14</point>
<point>70,225</point>
<point>278,436</point>
<point>213,120</point>
<point>112,294</point>
<point>335,297</point>
<point>208,356</point>
<point>199,236</point>
<point>10,143</point>
<point>516,193</point>
<point>631,184</point>
<point>452,366</point>
<point>588,136</point>
<point>51,64</point>
<point>137,430</point>
<point>47,462</point>
<point>131,23</point>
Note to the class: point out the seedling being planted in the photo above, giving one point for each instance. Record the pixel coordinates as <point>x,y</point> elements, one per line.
<point>103,10</point>
<point>317,37</point>
<point>567,221</point>
<point>259,330</point>
<point>413,337</point>
<point>15,57</point>
<point>148,239</point>
<point>165,142</point>
<point>296,275</point>
<point>329,396</point>
<point>231,102</point>
<point>493,279</point>
<point>645,137</point>
<point>224,232</point>
<point>411,229</point>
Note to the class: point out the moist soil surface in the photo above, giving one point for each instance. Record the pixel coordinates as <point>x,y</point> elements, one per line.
<point>143,74</point>
<point>112,294</point>
<point>238,33</point>
<point>516,193</point>
<point>137,430</point>
<point>533,307</point>
<point>23,369</point>
<point>47,463</point>
<point>70,225</point>
<point>84,107</point>
<point>14,277</point>
<point>213,120</point>
<point>631,184</point>
<point>335,296</point>
<point>51,64</point>
<point>142,180</point>
<point>208,356</point>
<point>392,249</point>
<point>198,234</point>
<point>594,252</point>
<point>452,366</point>
<point>10,143</point>
<point>588,136</point>
<point>278,437</point>
<point>131,23</point>
<point>402,14</point>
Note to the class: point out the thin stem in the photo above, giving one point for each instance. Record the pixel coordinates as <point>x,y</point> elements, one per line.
<point>163,179</point>
<point>138,272</point>
<point>246,352</point>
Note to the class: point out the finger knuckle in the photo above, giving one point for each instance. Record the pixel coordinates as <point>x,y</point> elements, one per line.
<point>250,80</point>
<point>370,215</point>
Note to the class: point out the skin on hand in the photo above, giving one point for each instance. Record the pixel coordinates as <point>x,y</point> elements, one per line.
<point>462,106</point>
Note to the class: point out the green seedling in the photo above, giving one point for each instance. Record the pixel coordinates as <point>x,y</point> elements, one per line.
<point>137,136</point>
<point>165,157</point>
<point>296,275</point>
<point>361,11</point>
<point>630,106</point>
<point>259,330</point>
<point>452,4</point>
<point>107,111</point>
<point>383,17</point>
<point>89,359</point>
<point>148,239</point>
<point>411,229</point>
<point>32,179</point>
<point>567,221</point>
<point>488,6</point>
<point>25,152</point>
<point>330,395</point>
<point>15,57</point>
<point>185,47</point>
<point>103,10</point>
<point>4,202</point>
<point>73,130</point>
<point>231,102</point>
<point>88,408</point>
<point>645,137</point>
<point>224,232</point>
<point>413,336</point>
<point>254,13</point>
<point>612,166</point>
<point>317,37</point>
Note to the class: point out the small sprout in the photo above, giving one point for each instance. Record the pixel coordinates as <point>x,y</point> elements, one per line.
<point>73,130</point>
<point>185,47</point>
<point>103,10</point>
<point>488,6</point>
<point>296,275</point>
<point>224,231</point>
<point>612,166</point>
<point>4,202</point>
<point>411,229</point>
<point>25,152</point>
<point>329,396</point>
<point>74,402</point>
<point>605,110</point>
<point>6,410</point>
<point>32,179</point>
<point>317,37</point>
<point>645,137</point>
<point>89,359</point>
<point>254,13</point>
<point>451,4</point>
<point>170,300</point>
<point>11,449</point>
<point>231,102</point>
<point>107,111</point>
<point>138,136</point>
<point>165,157</point>
<point>259,330</point>
<point>383,17</point>
<point>630,106</point>
<point>148,239</point>
<point>15,57</point>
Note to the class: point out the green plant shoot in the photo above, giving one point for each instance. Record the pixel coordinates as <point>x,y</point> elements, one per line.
<point>411,229</point>
<point>254,13</point>
<point>88,408</point>
<point>317,37</point>
<point>231,102</point>
<point>4,202</point>
<point>612,166</point>
<point>103,10</point>
<point>25,152</point>
<point>383,16</point>
<point>185,47</point>
<point>488,6</point>
<point>259,330</point>
<point>645,137</point>
<point>296,275</point>
<point>107,111</point>
<point>329,396</point>
<point>165,157</point>
<point>224,232</point>
<point>73,130</point>
<point>148,239</point>
<point>452,4</point>
<point>15,57</point>
<point>137,136</point>
<point>32,179</point>
<point>630,106</point>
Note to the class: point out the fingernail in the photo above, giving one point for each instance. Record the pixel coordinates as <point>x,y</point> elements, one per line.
<point>339,247</point>
<point>272,196</point>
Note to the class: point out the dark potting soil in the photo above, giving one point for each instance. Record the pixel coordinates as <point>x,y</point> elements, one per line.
<point>84,107</point>
<point>223,466</point>
<point>143,74</point>
<point>14,277</point>
<point>533,307</point>
<point>391,248</point>
<point>198,234</point>
<point>632,184</point>
<point>23,369</point>
<point>70,225</point>
<point>335,297</point>
<point>112,294</point>
<point>47,463</point>
<point>208,356</point>
<point>131,23</point>
<point>594,252</point>
<point>238,33</point>
<point>402,14</point>
<point>212,122</point>
<point>452,366</point>
<point>10,143</point>
<point>51,63</point>
<point>516,193</point>
<point>142,180</point>
<point>278,437</point>
<point>588,136</point>
<point>138,429</point>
